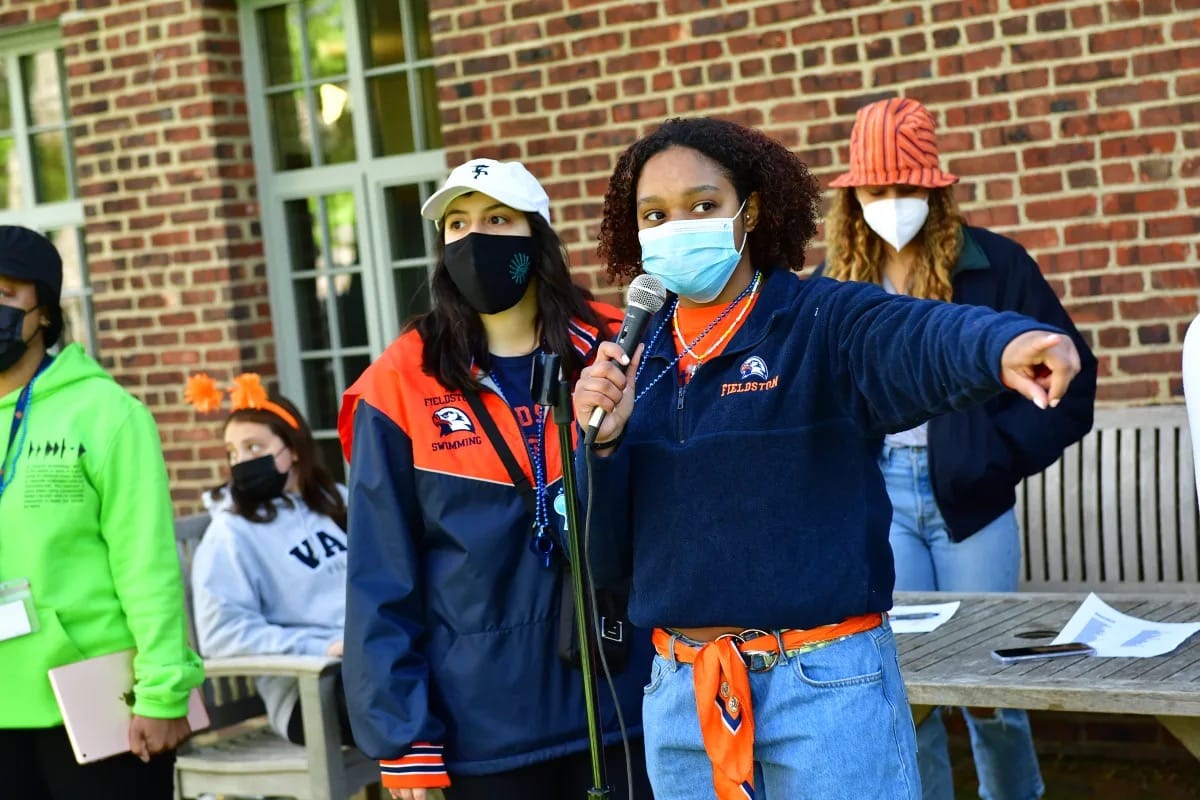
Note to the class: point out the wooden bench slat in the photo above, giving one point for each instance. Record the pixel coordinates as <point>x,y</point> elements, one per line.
<point>1110,493</point>
<point>1128,501</point>
<point>1149,501</point>
<point>1089,501</point>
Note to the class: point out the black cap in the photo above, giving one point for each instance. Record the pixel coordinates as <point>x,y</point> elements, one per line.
<point>28,256</point>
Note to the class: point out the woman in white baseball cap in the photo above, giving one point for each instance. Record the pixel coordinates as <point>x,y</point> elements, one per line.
<point>452,672</point>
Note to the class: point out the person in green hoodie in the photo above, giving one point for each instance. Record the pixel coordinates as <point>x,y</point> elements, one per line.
<point>87,552</point>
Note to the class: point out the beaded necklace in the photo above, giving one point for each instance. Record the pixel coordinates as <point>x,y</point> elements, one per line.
<point>750,288</point>
<point>542,544</point>
<point>688,348</point>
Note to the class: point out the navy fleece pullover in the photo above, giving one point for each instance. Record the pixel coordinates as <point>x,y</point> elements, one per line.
<point>750,496</point>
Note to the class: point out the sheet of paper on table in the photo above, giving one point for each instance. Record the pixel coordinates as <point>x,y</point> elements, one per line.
<point>1114,634</point>
<point>921,618</point>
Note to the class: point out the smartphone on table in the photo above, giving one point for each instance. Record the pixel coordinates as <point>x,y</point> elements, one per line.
<point>1013,654</point>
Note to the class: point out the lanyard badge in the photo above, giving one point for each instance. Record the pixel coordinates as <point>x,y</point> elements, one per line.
<point>18,616</point>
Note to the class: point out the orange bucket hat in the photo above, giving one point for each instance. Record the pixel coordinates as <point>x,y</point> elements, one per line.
<point>893,143</point>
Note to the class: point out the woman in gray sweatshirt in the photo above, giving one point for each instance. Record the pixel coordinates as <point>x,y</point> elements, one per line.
<point>269,576</point>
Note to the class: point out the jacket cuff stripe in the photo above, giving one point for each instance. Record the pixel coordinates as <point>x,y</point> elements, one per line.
<point>421,768</point>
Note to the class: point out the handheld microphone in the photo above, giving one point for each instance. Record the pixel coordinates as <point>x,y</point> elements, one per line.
<point>646,296</point>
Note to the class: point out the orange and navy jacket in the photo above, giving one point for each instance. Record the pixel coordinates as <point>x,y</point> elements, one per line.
<point>451,622</point>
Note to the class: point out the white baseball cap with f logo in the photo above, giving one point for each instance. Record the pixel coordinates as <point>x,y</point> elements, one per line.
<point>506,181</point>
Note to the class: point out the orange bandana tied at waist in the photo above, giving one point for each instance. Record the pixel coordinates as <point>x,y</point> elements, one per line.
<point>723,702</point>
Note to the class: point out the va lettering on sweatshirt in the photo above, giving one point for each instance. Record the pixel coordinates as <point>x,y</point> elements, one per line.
<point>327,547</point>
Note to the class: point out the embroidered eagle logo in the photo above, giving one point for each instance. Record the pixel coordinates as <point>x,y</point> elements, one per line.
<point>452,420</point>
<point>754,367</point>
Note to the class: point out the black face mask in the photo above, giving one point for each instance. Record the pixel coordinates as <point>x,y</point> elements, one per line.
<point>12,346</point>
<point>492,272</point>
<point>257,480</point>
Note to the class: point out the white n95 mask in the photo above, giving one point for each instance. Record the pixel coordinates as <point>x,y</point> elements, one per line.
<point>897,220</point>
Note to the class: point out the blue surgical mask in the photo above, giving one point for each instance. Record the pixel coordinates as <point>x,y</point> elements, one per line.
<point>694,258</point>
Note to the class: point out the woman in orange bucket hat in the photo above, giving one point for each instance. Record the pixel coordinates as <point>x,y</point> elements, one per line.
<point>893,221</point>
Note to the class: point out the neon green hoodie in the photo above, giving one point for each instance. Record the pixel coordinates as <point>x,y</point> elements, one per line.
<point>87,520</point>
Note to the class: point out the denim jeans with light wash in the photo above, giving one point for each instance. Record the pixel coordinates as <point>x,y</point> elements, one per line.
<point>988,561</point>
<point>829,724</point>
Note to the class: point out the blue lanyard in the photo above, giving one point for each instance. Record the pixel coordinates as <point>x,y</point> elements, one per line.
<point>18,429</point>
<point>542,545</point>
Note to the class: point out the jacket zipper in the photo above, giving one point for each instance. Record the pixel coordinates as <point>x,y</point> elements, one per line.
<point>682,391</point>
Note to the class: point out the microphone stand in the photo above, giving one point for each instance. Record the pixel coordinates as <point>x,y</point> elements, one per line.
<point>551,391</point>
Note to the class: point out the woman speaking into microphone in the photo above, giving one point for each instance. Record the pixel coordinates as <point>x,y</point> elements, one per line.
<point>736,478</point>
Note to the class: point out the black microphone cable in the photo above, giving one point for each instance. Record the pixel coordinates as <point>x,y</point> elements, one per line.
<point>597,628</point>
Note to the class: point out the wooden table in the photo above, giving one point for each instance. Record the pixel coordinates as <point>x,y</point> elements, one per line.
<point>953,665</point>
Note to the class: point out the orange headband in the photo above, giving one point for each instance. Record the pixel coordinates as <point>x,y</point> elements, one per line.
<point>246,392</point>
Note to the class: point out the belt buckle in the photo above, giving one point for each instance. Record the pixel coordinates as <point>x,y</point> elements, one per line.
<point>757,660</point>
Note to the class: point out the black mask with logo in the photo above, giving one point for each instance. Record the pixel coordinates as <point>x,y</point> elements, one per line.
<point>492,272</point>
<point>12,346</point>
<point>257,480</point>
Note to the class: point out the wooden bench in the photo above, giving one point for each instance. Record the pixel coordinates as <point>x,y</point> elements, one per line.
<point>1118,512</point>
<point>242,755</point>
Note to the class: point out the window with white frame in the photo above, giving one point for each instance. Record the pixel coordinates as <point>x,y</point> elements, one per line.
<point>37,167</point>
<point>347,142</point>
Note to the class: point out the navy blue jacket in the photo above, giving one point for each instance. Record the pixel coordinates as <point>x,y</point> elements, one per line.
<point>752,496</point>
<point>451,621</point>
<point>978,455</point>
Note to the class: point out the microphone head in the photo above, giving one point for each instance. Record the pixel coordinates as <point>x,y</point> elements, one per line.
<point>648,292</point>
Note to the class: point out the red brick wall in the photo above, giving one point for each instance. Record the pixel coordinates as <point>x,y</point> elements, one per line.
<point>165,171</point>
<point>1074,125</point>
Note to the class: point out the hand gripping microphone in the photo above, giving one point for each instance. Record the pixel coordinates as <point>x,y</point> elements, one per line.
<point>646,296</point>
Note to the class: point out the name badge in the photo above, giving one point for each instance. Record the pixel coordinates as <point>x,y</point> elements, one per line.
<point>18,617</point>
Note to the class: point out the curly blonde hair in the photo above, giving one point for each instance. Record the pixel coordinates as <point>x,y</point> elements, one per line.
<point>856,253</point>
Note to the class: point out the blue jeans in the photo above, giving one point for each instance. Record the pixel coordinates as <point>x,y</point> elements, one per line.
<point>988,561</point>
<point>829,724</point>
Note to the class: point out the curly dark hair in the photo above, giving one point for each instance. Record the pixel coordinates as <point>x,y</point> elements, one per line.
<point>452,333</point>
<point>788,194</point>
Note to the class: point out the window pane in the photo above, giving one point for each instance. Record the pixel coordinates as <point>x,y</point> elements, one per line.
<point>280,29</point>
<point>43,98</point>
<point>320,392</point>
<point>336,123</point>
<point>291,137</point>
<point>76,320</point>
<point>351,310</point>
<point>329,450</point>
<point>326,38</point>
<point>391,119</point>
<point>51,184</point>
<point>406,226</point>
<point>311,316</point>
<point>343,229</point>
<point>383,32</point>
<point>354,366</point>
<point>5,109</point>
<point>67,240</point>
<point>412,292</point>
<point>430,115</point>
<point>303,233</point>
<point>420,18</point>
<point>10,174</point>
